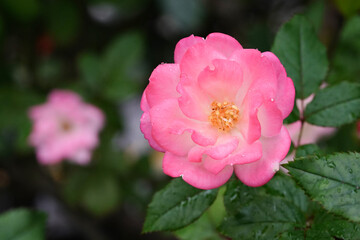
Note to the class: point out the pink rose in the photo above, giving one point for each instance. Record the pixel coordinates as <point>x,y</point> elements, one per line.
<point>65,127</point>
<point>310,133</point>
<point>218,108</point>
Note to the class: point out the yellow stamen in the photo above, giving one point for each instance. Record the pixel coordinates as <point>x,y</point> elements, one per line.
<point>66,126</point>
<point>224,115</point>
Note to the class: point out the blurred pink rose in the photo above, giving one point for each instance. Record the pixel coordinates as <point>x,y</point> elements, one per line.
<point>219,108</point>
<point>65,128</point>
<point>310,133</point>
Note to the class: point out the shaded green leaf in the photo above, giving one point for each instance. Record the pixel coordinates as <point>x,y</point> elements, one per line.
<point>315,13</point>
<point>292,235</point>
<point>15,125</point>
<point>205,227</point>
<point>283,186</point>
<point>332,181</point>
<point>122,65</point>
<point>22,224</point>
<point>90,70</point>
<point>176,206</point>
<point>101,194</point>
<point>201,229</point>
<point>264,212</point>
<point>302,54</point>
<point>345,62</point>
<point>308,149</point>
<point>49,72</point>
<point>328,226</point>
<point>217,210</point>
<point>96,191</point>
<point>335,106</point>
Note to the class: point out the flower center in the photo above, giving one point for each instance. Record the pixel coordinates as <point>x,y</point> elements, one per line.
<point>66,126</point>
<point>223,115</point>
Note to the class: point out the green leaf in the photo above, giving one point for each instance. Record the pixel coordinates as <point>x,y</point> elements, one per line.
<point>15,125</point>
<point>49,72</point>
<point>90,71</point>
<point>22,224</point>
<point>217,210</point>
<point>96,191</point>
<point>283,186</point>
<point>205,227</point>
<point>292,235</point>
<point>345,62</point>
<point>264,212</point>
<point>176,206</point>
<point>308,149</point>
<point>335,106</point>
<point>101,194</point>
<point>201,229</point>
<point>332,181</point>
<point>122,69</point>
<point>302,54</point>
<point>328,226</point>
<point>315,13</point>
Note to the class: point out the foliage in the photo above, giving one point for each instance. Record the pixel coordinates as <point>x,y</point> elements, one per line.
<point>302,54</point>
<point>176,206</point>
<point>22,224</point>
<point>319,200</point>
<point>105,50</point>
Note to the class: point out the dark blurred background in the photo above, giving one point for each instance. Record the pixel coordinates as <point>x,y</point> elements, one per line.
<point>105,50</point>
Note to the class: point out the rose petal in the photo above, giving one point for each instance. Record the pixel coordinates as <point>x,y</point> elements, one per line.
<point>196,59</point>
<point>65,127</point>
<point>183,45</point>
<point>162,86</point>
<point>270,118</point>
<point>194,173</point>
<point>63,97</point>
<point>223,147</point>
<point>245,153</point>
<point>146,129</point>
<point>223,82</point>
<point>176,133</point>
<point>260,82</point>
<point>286,91</point>
<point>260,172</point>
<point>81,157</point>
<point>194,103</point>
<point>92,117</point>
<point>144,105</point>
<point>248,124</point>
<point>223,43</point>
<point>45,155</point>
